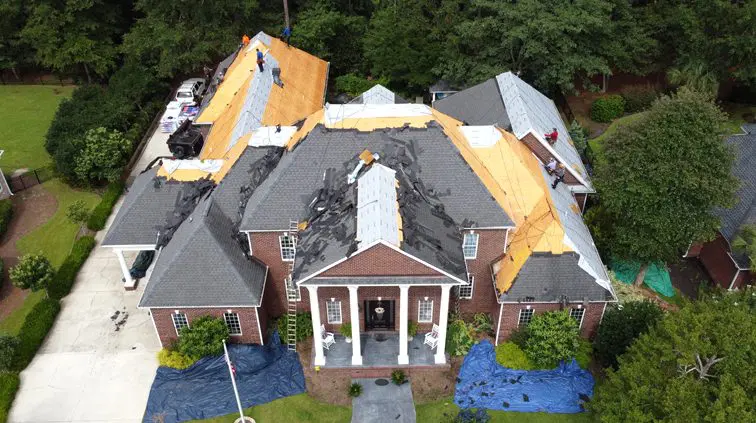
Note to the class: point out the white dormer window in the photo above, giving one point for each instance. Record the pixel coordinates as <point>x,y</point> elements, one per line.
<point>288,247</point>
<point>470,245</point>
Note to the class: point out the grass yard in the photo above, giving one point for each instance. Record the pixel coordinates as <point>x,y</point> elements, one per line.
<point>12,323</point>
<point>55,238</point>
<point>26,117</point>
<point>596,143</point>
<point>445,410</point>
<point>736,111</point>
<point>297,408</point>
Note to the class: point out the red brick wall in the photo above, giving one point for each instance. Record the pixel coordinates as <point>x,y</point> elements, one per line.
<point>542,153</point>
<point>490,246</point>
<point>167,333</point>
<point>380,260</point>
<point>715,258</point>
<point>511,315</point>
<point>265,247</point>
<point>744,278</point>
<point>580,200</point>
<point>372,293</point>
<point>694,250</point>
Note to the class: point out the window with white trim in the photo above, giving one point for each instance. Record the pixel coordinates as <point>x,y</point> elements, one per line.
<point>293,291</point>
<point>470,245</point>
<point>526,315</point>
<point>232,323</point>
<point>288,246</point>
<point>425,311</point>
<point>179,322</point>
<point>577,314</point>
<point>466,291</point>
<point>333,311</point>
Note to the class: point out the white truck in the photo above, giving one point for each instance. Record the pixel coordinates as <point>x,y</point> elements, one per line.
<point>190,90</point>
<point>184,106</point>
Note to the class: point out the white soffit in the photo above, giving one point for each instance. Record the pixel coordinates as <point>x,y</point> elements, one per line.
<point>481,136</point>
<point>377,206</point>
<point>337,112</point>
<point>267,136</point>
<point>210,166</point>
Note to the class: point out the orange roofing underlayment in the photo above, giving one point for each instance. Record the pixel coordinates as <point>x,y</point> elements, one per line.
<point>507,168</point>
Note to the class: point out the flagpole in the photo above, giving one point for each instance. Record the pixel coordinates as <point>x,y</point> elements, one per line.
<point>233,381</point>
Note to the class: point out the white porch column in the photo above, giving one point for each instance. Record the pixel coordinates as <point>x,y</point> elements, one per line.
<point>129,284</point>
<point>317,337</point>
<point>443,320</point>
<point>403,317</point>
<point>354,319</point>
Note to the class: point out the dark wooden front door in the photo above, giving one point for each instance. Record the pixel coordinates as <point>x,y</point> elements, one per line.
<point>379,315</point>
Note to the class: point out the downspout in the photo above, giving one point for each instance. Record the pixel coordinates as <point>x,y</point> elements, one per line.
<point>734,278</point>
<point>498,325</point>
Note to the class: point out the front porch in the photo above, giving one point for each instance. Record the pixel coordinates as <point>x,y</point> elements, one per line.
<point>379,349</point>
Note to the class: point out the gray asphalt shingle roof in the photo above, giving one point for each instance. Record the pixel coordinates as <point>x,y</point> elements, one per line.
<point>477,105</point>
<point>744,212</point>
<point>203,266</point>
<point>547,277</point>
<point>145,209</point>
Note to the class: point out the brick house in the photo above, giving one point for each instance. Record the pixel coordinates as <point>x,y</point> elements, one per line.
<point>731,269</point>
<point>375,213</point>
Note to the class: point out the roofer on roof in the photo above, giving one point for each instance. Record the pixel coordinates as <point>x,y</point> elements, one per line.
<point>559,172</point>
<point>552,136</point>
<point>286,34</point>
<point>551,166</point>
<point>245,39</point>
<point>260,60</point>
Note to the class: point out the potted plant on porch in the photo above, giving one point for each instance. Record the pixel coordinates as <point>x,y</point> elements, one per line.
<point>411,329</point>
<point>346,332</point>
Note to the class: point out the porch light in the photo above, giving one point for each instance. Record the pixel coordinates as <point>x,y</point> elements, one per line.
<point>379,298</point>
<point>527,307</point>
<point>333,300</point>
<point>580,306</point>
<point>175,312</point>
<point>229,311</point>
<point>425,298</point>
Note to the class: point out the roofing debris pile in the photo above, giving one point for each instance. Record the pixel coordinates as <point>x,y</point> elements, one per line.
<point>186,201</point>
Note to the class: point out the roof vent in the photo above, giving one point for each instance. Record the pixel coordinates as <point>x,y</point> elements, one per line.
<point>277,77</point>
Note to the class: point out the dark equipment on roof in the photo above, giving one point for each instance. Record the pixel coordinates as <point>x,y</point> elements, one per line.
<point>186,142</point>
<point>142,263</point>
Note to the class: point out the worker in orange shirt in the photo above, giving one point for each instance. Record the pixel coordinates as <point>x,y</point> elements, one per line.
<point>245,40</point>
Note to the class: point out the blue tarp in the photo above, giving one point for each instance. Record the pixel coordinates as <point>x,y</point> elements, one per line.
<point>483,383</point>
<point>263,374</point>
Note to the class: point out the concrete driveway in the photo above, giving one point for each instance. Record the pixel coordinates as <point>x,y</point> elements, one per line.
<point>87,371</point>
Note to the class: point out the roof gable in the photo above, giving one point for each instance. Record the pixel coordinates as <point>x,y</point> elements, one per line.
<point>379,260</point>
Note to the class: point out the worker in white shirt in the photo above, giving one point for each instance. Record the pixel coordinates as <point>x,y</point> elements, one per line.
<point>551,166</point>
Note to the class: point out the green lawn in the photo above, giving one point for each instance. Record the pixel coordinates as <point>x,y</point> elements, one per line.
<point>27,113</point>
<point>12,323</point>
<point>55,238</point>
<point>444,411</point>
<point>596,143</point>
<point>297,408</point>
<point>736,111</point>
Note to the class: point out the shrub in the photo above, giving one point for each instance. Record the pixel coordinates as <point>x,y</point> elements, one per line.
<point>579,136</point>
<point>304,326</point>
<point>482,323</point>
<point>638,97</point>
<point>77,212</point>
<point>355,390</point>
<point>204,338</point>
<point>458,338</point>
<point>398,377</point>
<point>411,328</point>
<point>510,355</point>
<point>102,154</point>
<point>38,322</point>
<point>2,267</point>
<point>33,271</point>
<point>355,85</point>
<point>66,274</point>
<point>9,383</point>
<point>584,353</point>
<point>101,212</point>
<point>6,213</point>
<point>467,415</point>
<point>606,109</point>
<point>346,330</point>
<point>552,337</point>
<point>519,337</point>
<point>174,359</point>
<point>621,326</point>
<point>8,345</point>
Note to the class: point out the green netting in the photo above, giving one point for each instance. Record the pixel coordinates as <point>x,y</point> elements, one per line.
<point>657,277</point>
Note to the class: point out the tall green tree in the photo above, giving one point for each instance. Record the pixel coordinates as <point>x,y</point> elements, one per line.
<point>660,178</point>
<point>102,153</point>
<point>180,37</point>
<point>620,326</point>
<point>13,51</point>
<point>325,31</point>
<point>74,35</point>
<point>549,42</point>
<point>695,365</point>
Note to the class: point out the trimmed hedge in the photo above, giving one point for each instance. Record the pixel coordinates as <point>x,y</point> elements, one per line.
<point>8,386</point>
<point>66,275</point>
<point>101,212</point>
<point>511,356</point>
<point>6,213</point>
<point>606,109</point>
<point>38,322</point>
<point>638,97</point>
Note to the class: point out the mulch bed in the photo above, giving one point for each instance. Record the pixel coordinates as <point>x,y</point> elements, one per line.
<point>31,208</point>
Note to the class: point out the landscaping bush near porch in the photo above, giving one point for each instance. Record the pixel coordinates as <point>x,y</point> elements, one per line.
<point>204,338</point>
<point>304,326</point>
<point>606,109</point>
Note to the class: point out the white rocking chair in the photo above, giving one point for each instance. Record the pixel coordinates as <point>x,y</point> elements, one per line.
<point>431,338</point>
<point>327,338</point>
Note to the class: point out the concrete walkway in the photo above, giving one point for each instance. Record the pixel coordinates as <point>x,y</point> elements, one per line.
<point>99,360</point>
<point>388,403</point>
